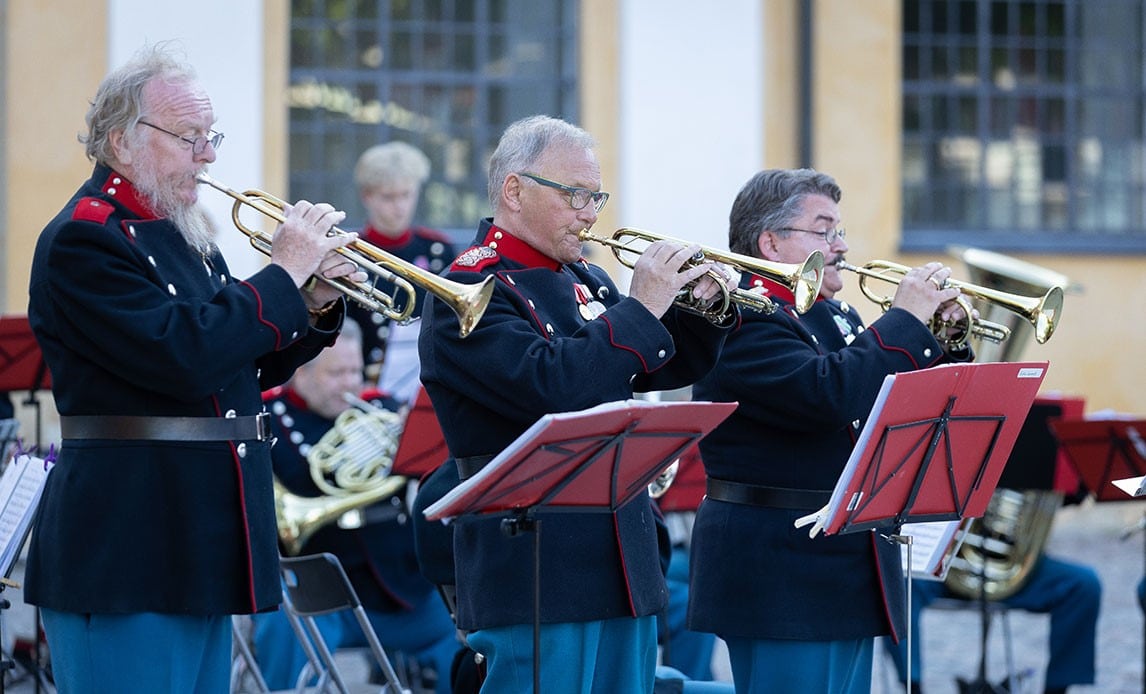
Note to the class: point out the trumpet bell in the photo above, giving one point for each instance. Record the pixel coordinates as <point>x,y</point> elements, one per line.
<point>1026,290</point>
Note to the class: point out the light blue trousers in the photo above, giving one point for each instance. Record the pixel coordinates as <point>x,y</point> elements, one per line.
<point>774,666</point>
<point>601,657</point>
<point>144,653</point>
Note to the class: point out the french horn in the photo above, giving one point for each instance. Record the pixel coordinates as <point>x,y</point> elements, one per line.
<point>351,465</point>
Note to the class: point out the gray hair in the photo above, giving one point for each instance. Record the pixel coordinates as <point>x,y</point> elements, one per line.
<point>393,162</point>
<point>118,103</point>
<point>770,200</point>
<point>522,144</point>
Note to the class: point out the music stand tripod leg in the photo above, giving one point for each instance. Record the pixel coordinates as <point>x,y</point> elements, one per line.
<point>525,521</point>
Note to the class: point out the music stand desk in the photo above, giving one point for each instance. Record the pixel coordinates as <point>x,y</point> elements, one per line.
<point>595,461</point>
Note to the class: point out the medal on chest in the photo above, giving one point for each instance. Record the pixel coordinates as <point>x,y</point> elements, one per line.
<point>589,307</point>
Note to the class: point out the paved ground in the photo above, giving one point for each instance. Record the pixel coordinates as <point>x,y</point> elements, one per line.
<point>1091,534</point>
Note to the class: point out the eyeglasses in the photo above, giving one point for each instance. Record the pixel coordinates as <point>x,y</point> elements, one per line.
<point>578,197</point>
<point>198,144</point>
<point>829,236</point>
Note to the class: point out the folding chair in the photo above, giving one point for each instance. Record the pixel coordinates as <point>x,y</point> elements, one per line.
<point>317,585</point>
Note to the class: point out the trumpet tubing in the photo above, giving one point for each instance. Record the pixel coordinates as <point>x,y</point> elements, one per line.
<point>1041,311</point>
<point>804,279</point>
<point>468,301</point>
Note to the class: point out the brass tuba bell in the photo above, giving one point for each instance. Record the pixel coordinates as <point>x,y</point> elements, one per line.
<point>1000,549</point>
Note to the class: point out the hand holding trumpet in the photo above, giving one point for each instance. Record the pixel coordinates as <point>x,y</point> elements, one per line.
<point>303,246</point>
<point>923,292</point>
<point>664,269</point>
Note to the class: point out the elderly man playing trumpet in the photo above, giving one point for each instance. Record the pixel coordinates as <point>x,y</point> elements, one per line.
<point>157,522</point>
<point>801,614</point>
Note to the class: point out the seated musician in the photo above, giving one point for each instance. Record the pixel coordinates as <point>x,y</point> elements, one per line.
<point>1069,592</point>
<point>378,556</point>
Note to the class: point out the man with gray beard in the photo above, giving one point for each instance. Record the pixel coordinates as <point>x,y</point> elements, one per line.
<point>157,522</point>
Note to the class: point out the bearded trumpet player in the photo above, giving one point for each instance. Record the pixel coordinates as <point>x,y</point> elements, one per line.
<point>368,527</point>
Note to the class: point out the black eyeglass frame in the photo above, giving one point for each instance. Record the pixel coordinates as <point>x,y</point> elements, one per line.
<point>198,145</point>
<point>597,197</point>
<point>829,236</point>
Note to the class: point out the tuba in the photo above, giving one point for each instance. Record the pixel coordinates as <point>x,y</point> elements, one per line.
<point>351,465</point>
<point>1000,549</point>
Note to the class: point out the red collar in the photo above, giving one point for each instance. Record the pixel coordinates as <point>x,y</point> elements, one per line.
<point>381,240</point>
<point>772,289</point>
<point>509,246</point>
<point>122,191</point>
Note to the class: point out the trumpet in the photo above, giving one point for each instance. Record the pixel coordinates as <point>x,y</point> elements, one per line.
<point>803,279</point>
<point>1042,312</point>
<point>468,301</point>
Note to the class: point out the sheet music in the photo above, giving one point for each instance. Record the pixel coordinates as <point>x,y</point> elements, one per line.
<point>1134,486</point>
<point>932,546</point>
<point>21,486</point>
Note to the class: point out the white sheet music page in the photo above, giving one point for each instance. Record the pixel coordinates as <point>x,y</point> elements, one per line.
<point>21,486</point>
<point>933,543</point>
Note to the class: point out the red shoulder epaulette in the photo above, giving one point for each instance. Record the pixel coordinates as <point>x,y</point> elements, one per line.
<point>92,210</point>
<point>475,258</point>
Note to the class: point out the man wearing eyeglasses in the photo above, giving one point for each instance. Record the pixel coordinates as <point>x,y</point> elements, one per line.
<point>800,614</point>
<point>558,336</point>
<point>157,522</point>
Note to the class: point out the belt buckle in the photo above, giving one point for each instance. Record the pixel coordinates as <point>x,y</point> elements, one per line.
<point>263,426</point>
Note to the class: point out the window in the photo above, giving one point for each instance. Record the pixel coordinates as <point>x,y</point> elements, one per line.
<point>447,76</point>
<point>1023,125</point>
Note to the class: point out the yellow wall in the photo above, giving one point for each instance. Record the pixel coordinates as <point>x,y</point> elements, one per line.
<point>1095,353</point>
<point>1096,350</point>
<point>55,57</point>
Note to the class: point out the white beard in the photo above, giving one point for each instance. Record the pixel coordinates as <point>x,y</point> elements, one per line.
<point>190,220</point>
<point>194,224</point>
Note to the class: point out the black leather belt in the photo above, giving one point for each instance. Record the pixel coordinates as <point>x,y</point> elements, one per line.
<point>129,427</point>
<point>468,467</point>
<point>772,497</point>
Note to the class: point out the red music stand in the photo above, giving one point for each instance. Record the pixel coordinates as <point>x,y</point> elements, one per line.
<point>933,448</point>
<point>594,460</point>
<point>688,487</point>
<point>1103,450</point>
<point>422,447</point>
<point>22,365</point>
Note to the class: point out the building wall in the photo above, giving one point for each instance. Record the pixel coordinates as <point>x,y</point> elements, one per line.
<point>686,106</point>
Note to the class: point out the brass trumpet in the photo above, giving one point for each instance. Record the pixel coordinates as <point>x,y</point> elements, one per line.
<point>468,301</point>
<point>1040,311</point>
<point>803,279</point>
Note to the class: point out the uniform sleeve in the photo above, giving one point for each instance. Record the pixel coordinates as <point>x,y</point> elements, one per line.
<point>780,376</point>
<point>115,307</point>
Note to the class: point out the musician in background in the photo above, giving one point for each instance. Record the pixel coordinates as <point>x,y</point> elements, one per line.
<point>806,610</point>
<point>157,522</point>
<point>377,554</point>
<point>558,336</point>
<point>1070,593</point>
<point>390,178</point>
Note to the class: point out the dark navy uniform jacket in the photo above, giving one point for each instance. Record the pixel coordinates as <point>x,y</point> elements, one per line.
<point>133,321</point>
<point>378,556</point>
<point>423,247</point>
<point>805,384</point>
<point>534,353</point>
